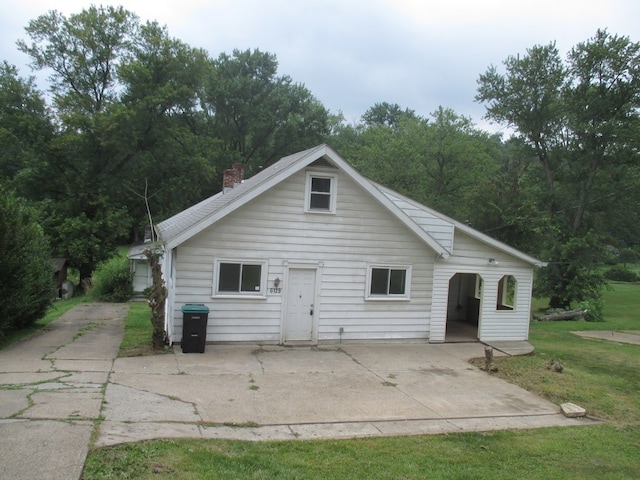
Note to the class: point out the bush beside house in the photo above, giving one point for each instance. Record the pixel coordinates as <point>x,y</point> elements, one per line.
<point>111,282</point>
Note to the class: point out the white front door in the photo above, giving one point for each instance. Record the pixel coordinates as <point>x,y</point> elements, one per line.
<point>301,292</point>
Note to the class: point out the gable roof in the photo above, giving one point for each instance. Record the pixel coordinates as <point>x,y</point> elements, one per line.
<point>435,229</point>
<point>193,220</point>
<point>440,223</point>
<point>59,264</point>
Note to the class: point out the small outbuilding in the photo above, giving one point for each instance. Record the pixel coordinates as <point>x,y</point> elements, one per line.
<point>140,270</point>
<point>309,251</point>
<point>60,267</point>
<point>63,286</point>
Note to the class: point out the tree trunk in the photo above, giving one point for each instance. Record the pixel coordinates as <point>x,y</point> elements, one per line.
<point>84,282</point>
<point>558,302</point>
<point>584,195</point>
<point>157,298</point>
<point>567,315</point>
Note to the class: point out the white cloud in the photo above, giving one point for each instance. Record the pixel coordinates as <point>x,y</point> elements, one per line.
<point>352,54</point>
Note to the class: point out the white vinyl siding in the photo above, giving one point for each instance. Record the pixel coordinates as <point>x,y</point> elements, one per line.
<point>276,228</point>
<point>472,256</point>
<point>141,275</point>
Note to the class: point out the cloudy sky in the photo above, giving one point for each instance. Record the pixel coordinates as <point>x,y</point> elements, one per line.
<point>351,54</point>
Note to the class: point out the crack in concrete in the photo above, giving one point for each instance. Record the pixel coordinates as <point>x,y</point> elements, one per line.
<point>256,354</point>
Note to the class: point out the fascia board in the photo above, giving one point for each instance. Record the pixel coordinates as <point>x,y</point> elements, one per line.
<point>484,238</point>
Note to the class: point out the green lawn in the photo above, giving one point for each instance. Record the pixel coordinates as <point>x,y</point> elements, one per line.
<point>601,376</point>
<point>56,310</point>
<point>555,453</point>
<point>137,331</point>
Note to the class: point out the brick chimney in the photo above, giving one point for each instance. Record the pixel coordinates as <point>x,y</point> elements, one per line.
<point>232,177</point>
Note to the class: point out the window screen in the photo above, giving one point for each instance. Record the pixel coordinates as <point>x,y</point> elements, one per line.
<point>388,281</point>
<point>320,194</point>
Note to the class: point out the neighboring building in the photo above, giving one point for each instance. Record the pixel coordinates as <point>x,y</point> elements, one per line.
<point>64,287</point>
<point>60,267</point>
<point>140,270</point>
<point>310,251</point>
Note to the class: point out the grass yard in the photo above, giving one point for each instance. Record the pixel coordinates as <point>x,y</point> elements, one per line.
<point>603,377</point>
<point>570,453</point>
<point>137,331</point>
<point>57,309</point>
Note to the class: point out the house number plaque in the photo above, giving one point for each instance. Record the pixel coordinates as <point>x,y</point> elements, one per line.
<point>275,290</point>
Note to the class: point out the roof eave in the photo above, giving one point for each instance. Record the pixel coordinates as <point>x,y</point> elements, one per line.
<point>246,196</point>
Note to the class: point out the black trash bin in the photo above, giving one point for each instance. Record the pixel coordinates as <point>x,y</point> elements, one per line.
<point>194,327</point>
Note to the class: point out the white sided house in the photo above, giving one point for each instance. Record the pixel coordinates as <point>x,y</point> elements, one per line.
<point>309,251</point>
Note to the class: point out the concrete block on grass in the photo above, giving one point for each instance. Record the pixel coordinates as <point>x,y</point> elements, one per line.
<point>572,410</point>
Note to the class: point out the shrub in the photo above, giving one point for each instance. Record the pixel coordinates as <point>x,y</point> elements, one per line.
<point>621,274</point>
<point>594,307</point>
<point>111,281</point>
<point>26,272</point>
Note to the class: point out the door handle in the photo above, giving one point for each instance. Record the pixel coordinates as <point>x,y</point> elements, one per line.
<point>311,310</point>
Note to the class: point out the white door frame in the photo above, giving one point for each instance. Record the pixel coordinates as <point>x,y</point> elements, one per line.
<point>317,268</point>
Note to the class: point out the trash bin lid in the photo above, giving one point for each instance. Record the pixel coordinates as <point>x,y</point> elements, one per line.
<point>195,308</point>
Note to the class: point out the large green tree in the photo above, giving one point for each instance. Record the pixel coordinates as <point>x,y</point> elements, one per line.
<point>603,99</point>
<point>140,113</point>
<point>79,176</point>
<point>440,161</point>
<point>25,128</point>
<point>458,160</point>
<point>580,120</point>
<point>259,115</point>
<point>126,101</point>
<point>167,145</point>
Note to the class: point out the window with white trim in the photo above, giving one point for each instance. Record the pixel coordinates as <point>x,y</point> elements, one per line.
<point>388,282</point>
<point>234,277</point>
<point>507,287</point>
<point>320,192</point>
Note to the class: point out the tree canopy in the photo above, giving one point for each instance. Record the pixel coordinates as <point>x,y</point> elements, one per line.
<point>134,109</point>
<point>258,114</point>
<point>131,110</point>
<point>579,119</point>
<point>25,128</point>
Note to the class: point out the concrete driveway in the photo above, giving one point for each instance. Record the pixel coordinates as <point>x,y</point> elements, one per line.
<point>318,392</point>
<point>55,387</point>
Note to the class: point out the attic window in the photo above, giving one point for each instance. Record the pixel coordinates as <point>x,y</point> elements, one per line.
<point>320,196</point>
